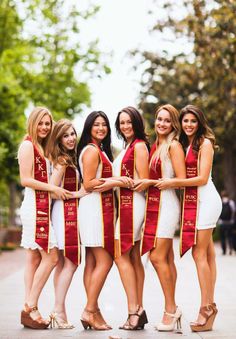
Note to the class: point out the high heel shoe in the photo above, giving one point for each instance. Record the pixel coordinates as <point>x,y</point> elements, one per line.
<point>176,321</point>
<point>141,321</point>
<point>60,323</point>
<point>95,321</point>
<point>27,321</point>
<point>208,317</point>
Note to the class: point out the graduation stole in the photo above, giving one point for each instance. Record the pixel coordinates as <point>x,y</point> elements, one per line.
<point>190,205</point>
<point>42,200</point>
<point>126,200</point>
<point>71,230</point>
<point>108,206</point>
<point>152,205</point>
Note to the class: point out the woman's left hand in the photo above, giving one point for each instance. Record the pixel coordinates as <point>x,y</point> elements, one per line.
<point>163,184</point>
<point>141,185</point>
<point>105,186</point>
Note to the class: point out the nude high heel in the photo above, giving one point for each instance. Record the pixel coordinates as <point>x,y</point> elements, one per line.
<point>93,321</point>
<point>208,317</point>
<point>176,322</point>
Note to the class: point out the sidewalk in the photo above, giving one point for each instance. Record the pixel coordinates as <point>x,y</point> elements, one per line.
<point>113,303</point>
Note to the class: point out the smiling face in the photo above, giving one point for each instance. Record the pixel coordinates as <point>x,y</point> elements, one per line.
<point>126,126</point>
<point>44,127</point>
<point>68,140</point>
<point>190,125</point>
<point>99,129</point>
<point>163,125</point>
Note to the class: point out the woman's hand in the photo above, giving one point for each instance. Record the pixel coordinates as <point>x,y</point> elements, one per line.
<point>81,193</point>
<point>61,193</point>
<point>128,182</point>
<point>141,185</point>
<point>105,186</point>
<point>164,184</point>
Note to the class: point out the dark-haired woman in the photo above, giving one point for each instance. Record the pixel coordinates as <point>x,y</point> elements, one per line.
<point>96,213</point>
<point>133,163</point>
<point>201,209</point>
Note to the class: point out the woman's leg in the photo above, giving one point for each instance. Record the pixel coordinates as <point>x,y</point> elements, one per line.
<point>62,284</point>
<point>33,259</point>
<point>171,261</point>
<point>160,257</point>
<point>103,264</point>
<point>139,271</point>
<point>90,264</point>
<point>200,256</point>
<point>211,259</point>
<point>48,262</point>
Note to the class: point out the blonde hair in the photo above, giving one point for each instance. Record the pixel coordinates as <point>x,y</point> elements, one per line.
<point>163,151</point>
<point>58,154</point>
<point>32,124</point>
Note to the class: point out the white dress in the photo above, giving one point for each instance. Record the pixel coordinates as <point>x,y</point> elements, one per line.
<point>209,206</point>
<point>28,219</point>
<point>169,217</point>
<point>90,212</point>
<point>138,201</point>
<point>57,216</point>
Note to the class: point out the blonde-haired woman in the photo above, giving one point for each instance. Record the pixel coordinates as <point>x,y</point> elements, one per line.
<point>62,149</point>
<point>37,237</point>
<point>163,208</point>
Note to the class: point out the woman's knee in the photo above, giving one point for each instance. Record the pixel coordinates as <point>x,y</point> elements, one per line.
<point>157,259</point>
<point>199,255</point>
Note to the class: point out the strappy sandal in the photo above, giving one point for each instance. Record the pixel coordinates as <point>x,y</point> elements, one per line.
<point>209,319</point>
<point>27,321</point>
<point>94,321</point>
<point>60,323</point>
<point>141,321</point>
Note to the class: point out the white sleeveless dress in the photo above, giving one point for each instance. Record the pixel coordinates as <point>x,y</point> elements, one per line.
<point>28,219</point>
<point>90,212</point>
<point>57,216</point>
<point>169,218</point>
<point>138,201</point>
<point>209,206</point>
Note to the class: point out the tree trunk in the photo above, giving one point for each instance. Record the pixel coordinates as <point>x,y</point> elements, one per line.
<point>12,203</point>
<point>229,166</point>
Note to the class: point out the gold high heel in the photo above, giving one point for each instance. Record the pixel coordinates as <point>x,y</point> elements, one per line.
<point>209,319</point>
<point>27,321</point>
<point>176,321</point>
<point>94,321</point>
<point>60,323</point>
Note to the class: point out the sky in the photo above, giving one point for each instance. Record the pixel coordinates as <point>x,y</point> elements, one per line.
<point>120,26</point>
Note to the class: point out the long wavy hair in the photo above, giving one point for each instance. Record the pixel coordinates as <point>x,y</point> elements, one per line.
<point>203,131</point>
<point>32,125</point>
<point>163,151</point>
<point>57,152</point>
<point>137,124</point>
<point>86,137</point>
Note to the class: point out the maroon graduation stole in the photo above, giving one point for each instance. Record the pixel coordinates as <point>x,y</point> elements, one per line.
<point>42,200</point>
<point>152,205</point>
<point>72,241</point>
<point>126,200</point>
<point>108,206</point>
<point>190,205</point>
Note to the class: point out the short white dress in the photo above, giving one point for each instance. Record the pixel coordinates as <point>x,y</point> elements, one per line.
<point>169,217</point>
<point>209,206</point>
<point>28,219</point>
<point>90,212</point>
<point>58,223</point>
<point>138,200</point>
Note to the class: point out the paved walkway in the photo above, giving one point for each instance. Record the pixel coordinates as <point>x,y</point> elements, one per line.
<point>113,304</point>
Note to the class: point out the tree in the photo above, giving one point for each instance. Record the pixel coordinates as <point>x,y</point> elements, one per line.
<point>205,75</point>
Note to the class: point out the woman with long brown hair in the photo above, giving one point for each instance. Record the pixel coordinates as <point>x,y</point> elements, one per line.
<point>201,209</point>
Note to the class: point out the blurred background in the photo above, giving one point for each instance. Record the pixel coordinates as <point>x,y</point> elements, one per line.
<point>77,56</point>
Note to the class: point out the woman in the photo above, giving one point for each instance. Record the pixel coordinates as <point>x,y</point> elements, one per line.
<point>133,163</point>
<point>38,237</point>
<point>202,207</point>
<point>96,223</point>
<point>163,209</point>
<point>62,149</point>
